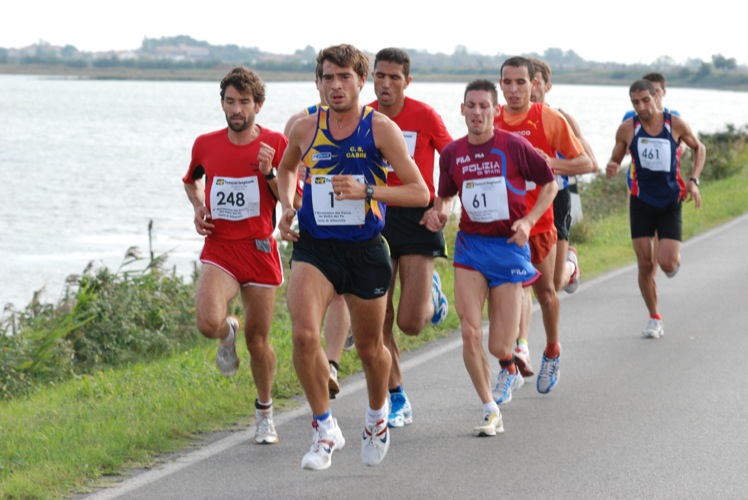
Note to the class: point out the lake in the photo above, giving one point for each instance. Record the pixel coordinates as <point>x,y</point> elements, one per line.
<point>87,164</point>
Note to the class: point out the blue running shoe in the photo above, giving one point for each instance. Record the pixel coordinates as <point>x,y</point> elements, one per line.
<point>401,412</point>
<point>506,383</point>
<point>441,304</point>
<point>549,374</point>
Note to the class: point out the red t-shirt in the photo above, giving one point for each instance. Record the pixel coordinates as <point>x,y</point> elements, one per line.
<point>425,133</point>
<point>236,193</point>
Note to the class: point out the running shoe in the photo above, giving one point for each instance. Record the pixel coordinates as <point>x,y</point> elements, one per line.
<point>401,412</point>
<point>576,276</point>
<point>349,342</point>
<point>376,442</point>
<point>549,373</point>
<point>226,359</point>
<point>324,443</point>
<point>332,383</point>
<point>672,273</point>
<point>441,304</point>
<point>491,425</point>
<point>506,383</point>
<point>265,433</point>
<point>654,329</point>
<point>522,360</point>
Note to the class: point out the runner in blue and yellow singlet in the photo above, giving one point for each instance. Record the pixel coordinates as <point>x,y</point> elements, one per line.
<point>338,247</point>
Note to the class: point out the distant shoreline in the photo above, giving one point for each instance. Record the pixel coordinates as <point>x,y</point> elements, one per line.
<point>571,77</point>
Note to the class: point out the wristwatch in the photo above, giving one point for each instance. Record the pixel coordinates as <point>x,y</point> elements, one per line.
<point>369,192</point>
<point>270,176</point>
<point>694,179</point>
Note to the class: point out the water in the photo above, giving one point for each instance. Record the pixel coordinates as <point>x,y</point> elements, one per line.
<point>87,164</point>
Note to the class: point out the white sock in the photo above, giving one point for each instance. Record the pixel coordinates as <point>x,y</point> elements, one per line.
<point>491,407</point>
<point>374,416</point>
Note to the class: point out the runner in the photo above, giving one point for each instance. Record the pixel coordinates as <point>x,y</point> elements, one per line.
<point>337,319</point>
<point>549,132</point>
<point>231,185</point>
<point>490,169</point>
<point>652,137</point>
<point>339,247</point>
<point>413,247</point>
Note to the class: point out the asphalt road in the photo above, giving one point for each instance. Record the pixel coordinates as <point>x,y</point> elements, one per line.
<point>630,418</point>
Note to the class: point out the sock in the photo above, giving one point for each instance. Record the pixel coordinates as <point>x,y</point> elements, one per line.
<point>374,416</point>
<point>522,341</point>
<point>509,365</point>
<point>325,420</point>
<point>491,407</point>
<point>399,388</point>
<point>552,351</point>
<point>263,406</point>
<point>334,364</point>
<point>657,317</point>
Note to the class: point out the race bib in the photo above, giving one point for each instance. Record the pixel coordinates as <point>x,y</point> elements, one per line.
<point>654,154</point>
<point>485,200</point>
<point>234,198</point>
<point>410,142</point>
<point>331,212</point>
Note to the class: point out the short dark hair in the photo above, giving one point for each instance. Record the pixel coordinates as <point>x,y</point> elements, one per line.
<point>344,55</point>
<point>655,77</point>
<point>518,62</point>
<point>245,81</point>
<point>642,85</point>
<point>482,84</point>
<point>395,55</point>
<point>542,66</point>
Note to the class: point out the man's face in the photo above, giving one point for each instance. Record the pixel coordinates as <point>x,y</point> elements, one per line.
<point>479,111</point>
<point>645,104</point>
<point>240,109</point>
<point>390,83</point>
<point>341,86</point>
<point>516,85</point>
<point>540,88</point>
<point>659,94</point>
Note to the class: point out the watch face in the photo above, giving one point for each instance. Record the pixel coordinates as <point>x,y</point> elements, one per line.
<point>369,190</point>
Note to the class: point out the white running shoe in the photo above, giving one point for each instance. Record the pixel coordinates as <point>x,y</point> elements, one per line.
<point>332,383</point>
<point>226,359</point>
<point>441,304</point>
<point>491,425</point>
<point>506,383</point>
<point>654,329</point>
<point>376,442</point>
<point>349,342</point>
<point>549,373</point>
<point>522,359</point>
<point>576,276</point>
<point>672,273</point>
<point>319,456</point>
<point>265,433</point>
<point>401,412</point>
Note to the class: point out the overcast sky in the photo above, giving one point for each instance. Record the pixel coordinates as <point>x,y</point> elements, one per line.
<point>626,32</point>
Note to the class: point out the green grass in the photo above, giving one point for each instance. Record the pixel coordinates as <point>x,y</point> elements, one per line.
<point>72,435</point>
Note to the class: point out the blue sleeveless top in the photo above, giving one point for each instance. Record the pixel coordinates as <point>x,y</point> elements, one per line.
<point>354,155</point>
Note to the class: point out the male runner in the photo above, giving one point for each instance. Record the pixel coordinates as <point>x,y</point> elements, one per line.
<point>339,247</point>
<point>490,170</point>
<point>412,246</point>
<point>550,133</point>
<point>653,139</point>
<point>567,273</point>
<point>231,185</point>
<point>337,320</point>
